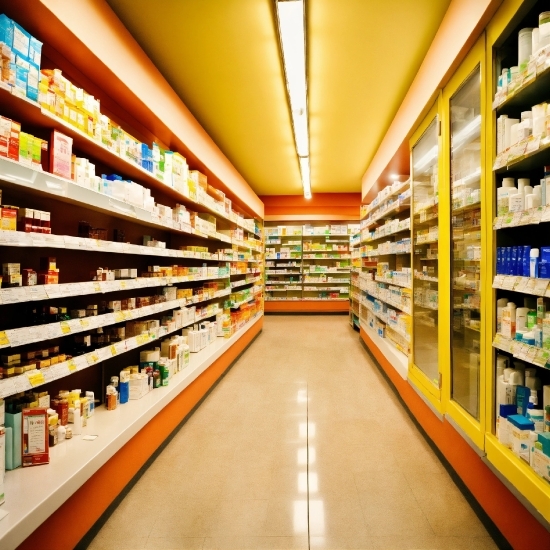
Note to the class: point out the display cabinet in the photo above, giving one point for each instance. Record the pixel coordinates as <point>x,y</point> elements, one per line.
<point>518,163</point>
<point>464,143</point>
<point>426,167</point>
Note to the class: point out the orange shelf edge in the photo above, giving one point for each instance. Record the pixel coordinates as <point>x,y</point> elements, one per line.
<point>306,306</point>
<point>71,521</point>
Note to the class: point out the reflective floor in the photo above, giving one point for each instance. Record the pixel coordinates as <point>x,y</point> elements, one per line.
<point>302,445</point>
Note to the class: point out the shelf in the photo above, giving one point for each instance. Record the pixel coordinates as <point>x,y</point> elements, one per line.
<point>392,282</point>
<point>65,290</point>
<point>400,206</point>
<point>431,308</point>
<point>525,285</point>
<point>384,318</point>
<point>426,278</point>
<point>395,193</point>
<point>245,282</point>
<point>466,208</point>
<point>525,352</point>
<point>398,359</point>
<point>35,492</point>
<point>35,378</point>
<point>364,241</point>
<point>390,302</point>
<point>534,216</point>
<point>531,93</point>
<point>41,333</point>
<point>524,156</point>
<point>30,113</point>
<point>24,178</point>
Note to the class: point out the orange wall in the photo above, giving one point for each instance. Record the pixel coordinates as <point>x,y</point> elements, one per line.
<point>462,25</point>
<point>93,39</point>
<point>322,206</point>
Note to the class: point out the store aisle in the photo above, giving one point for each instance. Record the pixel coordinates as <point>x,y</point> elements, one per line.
<point>302,444</point>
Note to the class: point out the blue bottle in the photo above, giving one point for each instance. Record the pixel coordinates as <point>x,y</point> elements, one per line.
<point>526,254</point>
<point>514,264</point>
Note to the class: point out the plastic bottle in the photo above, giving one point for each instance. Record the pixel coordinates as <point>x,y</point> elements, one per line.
<point>509,320</point>
<point>521,318</point>
<point>535,414</point>
<point>77,425</point>
<point>534,262</point>
<point>501,304</point>
<point>526,259</point>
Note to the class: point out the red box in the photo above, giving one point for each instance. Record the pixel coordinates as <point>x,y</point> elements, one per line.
<point>34,437</point>
<point>49,277</point>
<point>13,144</point>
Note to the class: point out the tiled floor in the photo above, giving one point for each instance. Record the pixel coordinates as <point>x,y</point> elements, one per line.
<point>302,445</point>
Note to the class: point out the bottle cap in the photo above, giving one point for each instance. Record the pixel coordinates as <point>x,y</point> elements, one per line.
<point>534,253</point>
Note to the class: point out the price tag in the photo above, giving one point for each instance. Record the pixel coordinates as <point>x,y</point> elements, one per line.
<point>122,285</point>
<point>541,286</point>
<point>4,340</point>
<point>530,288</point>
<point>545,214</point>
<point>531,354</point>
<point>113,350</point>
<point>517,151</point>
<point>522,284</point>
<point>65,327</point>
<point>71,365</point>
<point>84,323</point>
<point>118,316</point>
<point>533,144</point>
<point>498,281</point>
<point>536,215</point>
<point>509,282</point>
<point>92,358</point>
<point>525,218</point>
<point>36,378</point>
<point>96,286</point>
<point>542,357</point>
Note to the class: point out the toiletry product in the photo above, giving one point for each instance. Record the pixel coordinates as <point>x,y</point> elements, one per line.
<point>535,414</point>
<point>77,421</point>
<point>534,262</point>
<point>35,437</point>
<point>519,428</point>
<point>509,320</point>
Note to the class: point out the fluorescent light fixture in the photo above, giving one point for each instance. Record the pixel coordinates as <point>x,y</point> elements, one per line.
<point>291,25</point>
<point>306,181</point>
<point>394,176</point>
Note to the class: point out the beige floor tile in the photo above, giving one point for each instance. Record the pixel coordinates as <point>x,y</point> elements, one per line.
<point>286,517</point>
<point>344,543</point>
<point>238,517</point>
<point>336,517</point>
<point>107,539</point>
<point>191,519</point>
<point>174,543</point>
<point>434,543</point>
<point>274,543</point>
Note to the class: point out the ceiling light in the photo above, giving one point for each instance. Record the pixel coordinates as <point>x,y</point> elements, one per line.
<point>306,181</point>
<point>291,26</point>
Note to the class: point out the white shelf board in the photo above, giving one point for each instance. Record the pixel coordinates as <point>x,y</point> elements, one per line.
<point>398,360</point>
<point>32,494</point>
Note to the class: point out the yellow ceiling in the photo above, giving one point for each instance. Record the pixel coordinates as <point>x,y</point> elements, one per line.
<point>222,58</point>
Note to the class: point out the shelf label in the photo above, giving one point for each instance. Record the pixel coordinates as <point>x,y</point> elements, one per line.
<point>4,340</point>
<point>509,283</point>
<point>92,358</point>
<point>542,357</point>
<point>113,350</point>
<point>118,316</point>
<point>545,214</point>
<point>521,284</point>
<point>498,281</point>
<point>71,365</point>
<point>36,378</point>
<point>541,286</point>
<point>530,288</point>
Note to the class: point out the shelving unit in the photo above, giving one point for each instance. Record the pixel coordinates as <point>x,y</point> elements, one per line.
<point>385,306</point>
<point>526,227</point>
<point>212,272</point>
<point>355,289</point>
<point>309,266</point>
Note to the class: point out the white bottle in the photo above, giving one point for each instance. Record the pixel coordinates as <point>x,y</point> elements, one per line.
<point>509,320</point>
<point>534,262</point>
<point>501,304</point>
<point>521,319</point>
<point>77,428</point>
<point>516,202</point>
<point>535,414</point>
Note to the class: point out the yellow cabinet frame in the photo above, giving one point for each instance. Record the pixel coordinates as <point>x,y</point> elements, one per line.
<point>473,428</point>
<point>417,377</point>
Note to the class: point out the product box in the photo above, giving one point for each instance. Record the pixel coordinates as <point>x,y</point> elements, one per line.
<point>60,154</point>
<point>5,131</point>
<point>519,428</point>
<point>34,440</point>
<point>13,144</point>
